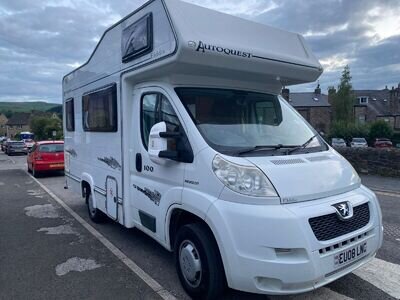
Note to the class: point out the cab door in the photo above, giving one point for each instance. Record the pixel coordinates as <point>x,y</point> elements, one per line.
<point>154,187</point>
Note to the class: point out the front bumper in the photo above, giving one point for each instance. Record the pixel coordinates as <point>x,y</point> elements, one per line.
<point>271,249</point>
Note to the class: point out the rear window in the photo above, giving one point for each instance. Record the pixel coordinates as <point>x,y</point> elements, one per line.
<point>359,140</point>
<point>51,148</point>
<point>17,144</point>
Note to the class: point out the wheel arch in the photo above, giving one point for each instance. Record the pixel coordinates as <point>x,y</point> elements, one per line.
<point>178,216</point>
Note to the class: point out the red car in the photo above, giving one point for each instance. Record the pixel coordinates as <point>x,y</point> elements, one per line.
<point>382,143</point>
<point>46,156</point>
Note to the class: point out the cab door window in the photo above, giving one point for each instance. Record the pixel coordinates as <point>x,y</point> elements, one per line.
<point>156,108</point>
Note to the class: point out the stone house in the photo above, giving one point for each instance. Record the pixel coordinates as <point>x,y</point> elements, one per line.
<point>372,105</point>
<point>313,106</point>
<point>3,122</point>
<point>18,122</point>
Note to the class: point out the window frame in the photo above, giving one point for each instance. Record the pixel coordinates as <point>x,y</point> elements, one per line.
<point>144,50</point>
<point>67,127</point>
<point>113,88</point>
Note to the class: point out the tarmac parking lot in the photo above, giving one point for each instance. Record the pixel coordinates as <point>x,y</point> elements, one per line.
<point>49,249</point>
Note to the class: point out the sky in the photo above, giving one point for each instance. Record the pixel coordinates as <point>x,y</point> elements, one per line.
<point>42,40</point>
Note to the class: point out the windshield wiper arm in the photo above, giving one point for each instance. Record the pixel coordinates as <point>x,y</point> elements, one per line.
<point>304,145</point>
<point>261,148</point>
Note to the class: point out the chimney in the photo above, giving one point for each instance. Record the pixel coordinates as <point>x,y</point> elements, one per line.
<point>285,93</point>
<point>317,91</point>
<point>394,101</point>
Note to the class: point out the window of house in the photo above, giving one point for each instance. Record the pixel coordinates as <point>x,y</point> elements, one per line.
<point>361,119</point>
<point>70,114</point>
<point>99,110</point>
<point>137,39</point>
<point>363,100</point>
<point>156,108</point>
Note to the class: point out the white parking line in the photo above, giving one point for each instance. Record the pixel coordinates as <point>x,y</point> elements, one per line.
<point>382,274</point>
<point>152,283</point>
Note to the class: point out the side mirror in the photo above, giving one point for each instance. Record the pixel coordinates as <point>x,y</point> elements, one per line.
<point>157,143</point>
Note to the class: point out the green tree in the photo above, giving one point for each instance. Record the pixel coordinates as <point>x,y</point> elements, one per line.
<point>343,99</point>
<point>43,128</point>
<point>380,129</point>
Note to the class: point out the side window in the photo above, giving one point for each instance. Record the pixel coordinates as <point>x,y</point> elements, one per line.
<point>99,110</point>
<point>70,114</point>
<point>157,108</point>
<point>149,115</point>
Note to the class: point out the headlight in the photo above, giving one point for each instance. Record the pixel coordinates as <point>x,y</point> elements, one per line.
<point>243,179</point>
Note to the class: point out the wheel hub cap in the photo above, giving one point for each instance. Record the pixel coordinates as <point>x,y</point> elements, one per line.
<point>190,263</point>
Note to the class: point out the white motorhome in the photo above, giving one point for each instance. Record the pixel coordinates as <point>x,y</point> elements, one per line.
<point>175,126</point>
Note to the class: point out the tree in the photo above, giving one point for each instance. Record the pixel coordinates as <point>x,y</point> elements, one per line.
<point>43,128</point>
<point>343,99</point>
<point>380,129</point>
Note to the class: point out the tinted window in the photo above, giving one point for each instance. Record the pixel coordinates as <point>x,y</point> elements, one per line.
<point>156,108</point>
<point>100,110</point>
<point>51,148</point>
<point>70,115</point>
<point>137,39</point>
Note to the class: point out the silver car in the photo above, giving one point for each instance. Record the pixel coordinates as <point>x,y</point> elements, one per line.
<point>358,143</point>
<point>338,142</point>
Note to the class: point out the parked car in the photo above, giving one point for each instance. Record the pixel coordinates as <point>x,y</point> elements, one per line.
<point>46,156</point>
<point>3,145</point>
<point>29,143</point>
<point>338,142</point>
<point>382,143</point>
<point>16,147</point>
<point>358,143</point>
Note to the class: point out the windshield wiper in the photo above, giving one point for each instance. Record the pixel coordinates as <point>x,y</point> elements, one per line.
<point>262,148</point>
<point>304,145</point>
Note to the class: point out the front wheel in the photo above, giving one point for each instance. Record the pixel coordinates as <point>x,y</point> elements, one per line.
<point>94,214</point>
<point>198,262</point>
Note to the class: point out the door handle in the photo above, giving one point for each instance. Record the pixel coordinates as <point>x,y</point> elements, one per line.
<point>138,162</point>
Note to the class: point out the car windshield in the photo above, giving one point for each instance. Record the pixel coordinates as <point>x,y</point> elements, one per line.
<point>17,144</point>
<point>50,148</point>
<point>234,122</point>
<point>359,140</point>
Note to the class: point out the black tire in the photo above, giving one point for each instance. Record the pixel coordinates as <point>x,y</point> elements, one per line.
<point>34,172</point>
<point>95,214</point>
<point>209,282</point>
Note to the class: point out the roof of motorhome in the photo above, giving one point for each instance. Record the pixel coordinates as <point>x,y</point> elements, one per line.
<point>199,36</point>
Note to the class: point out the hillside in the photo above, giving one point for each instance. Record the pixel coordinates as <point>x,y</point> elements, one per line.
<point>13,107</point>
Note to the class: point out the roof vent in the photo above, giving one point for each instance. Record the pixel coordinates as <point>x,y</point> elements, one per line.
<point>384,100</point>
<point>374,99</point>
<point>315,99</point>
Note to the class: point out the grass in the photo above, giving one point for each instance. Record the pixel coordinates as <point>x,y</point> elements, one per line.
<point>26,106</point>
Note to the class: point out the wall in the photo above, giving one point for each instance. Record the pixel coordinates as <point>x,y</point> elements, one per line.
<point>385,162</point>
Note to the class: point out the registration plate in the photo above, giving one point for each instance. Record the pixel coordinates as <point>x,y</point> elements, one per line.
<point>350,255</point>
<point>56,165</point>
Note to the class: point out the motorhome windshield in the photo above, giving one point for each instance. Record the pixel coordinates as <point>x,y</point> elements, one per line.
<point>247,123</point>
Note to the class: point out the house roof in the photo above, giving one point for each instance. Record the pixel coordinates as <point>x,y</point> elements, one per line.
<point>378,100</point>
<point>19,119</point>
<point>308,99</point>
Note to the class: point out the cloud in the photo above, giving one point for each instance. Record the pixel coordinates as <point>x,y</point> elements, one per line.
<point>40,41</point>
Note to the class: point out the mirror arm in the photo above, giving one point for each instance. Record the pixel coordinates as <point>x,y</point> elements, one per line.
<point>168,154</point>
<point>170,135</point>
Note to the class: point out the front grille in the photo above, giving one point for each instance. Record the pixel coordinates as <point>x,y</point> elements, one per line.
<point>328,227</point>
